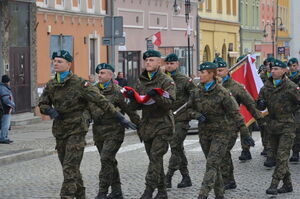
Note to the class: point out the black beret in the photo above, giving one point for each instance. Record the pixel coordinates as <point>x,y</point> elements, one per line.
<point>104,66</point>
<point>63,54</point>
<point>151,53</point>
<point>171,57</point>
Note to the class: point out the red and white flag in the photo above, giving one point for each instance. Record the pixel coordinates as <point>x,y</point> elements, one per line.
<point>246,74</point>
<point>156,39</point>
<point>144,99</point>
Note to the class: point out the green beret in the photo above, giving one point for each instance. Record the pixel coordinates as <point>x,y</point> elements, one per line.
<point>151,53</point>
<point>240,58</point>
<point>293,61</point>
<point>104,66</point>
<point>171,57</point>
<point>217,59</point>
<point>206,66</point>
<point>220,62</point>
<point>63,54</point>
<point>270,59</point>
<point>278,63</point>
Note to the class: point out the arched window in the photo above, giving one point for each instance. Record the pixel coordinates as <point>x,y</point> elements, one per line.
<point>206,54</point>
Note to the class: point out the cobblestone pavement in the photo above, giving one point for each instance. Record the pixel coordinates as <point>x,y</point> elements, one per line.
<point>42,178</point>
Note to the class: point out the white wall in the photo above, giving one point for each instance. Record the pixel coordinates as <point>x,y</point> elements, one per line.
<point>295,29</point>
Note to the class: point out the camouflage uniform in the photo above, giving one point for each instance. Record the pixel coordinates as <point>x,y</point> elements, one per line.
<point>108,136</point>
<point>217,105</point>
<point>70,99</point>
<point>282,102</point>
<point>178,160</point>
<point>156,126</point>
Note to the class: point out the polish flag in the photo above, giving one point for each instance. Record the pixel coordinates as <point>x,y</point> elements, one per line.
<point>246,74</point>
<point>156,39</point>
<point>144,99</point>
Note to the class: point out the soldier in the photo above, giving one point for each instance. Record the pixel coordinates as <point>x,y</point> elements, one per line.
<point>65,99</point>
<point>295,77</point>
<point>212,105</point>
<point>109,134</point>
<point>157,123</point>
<point>178,160</point>
<point>266,73</point>
<point>281,97</point>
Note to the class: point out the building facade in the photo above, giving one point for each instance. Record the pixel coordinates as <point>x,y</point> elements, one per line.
<point>141,20</point>
<point>295,29</point>
<point>251,34</point>
<point>18,50</point>
<point>219,30</point>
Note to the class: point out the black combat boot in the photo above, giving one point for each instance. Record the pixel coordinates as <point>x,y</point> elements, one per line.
<point>115,195</point>
<point>168,178</point>
<point>264,152</point>
<point>245,155</point>
<point>185,182</point>
<point>230,185</point>
<point>295,157</point>
<point>270,162</point>
<point>272,190</point>
<point>147,194</point>
<point>200,196</point>
<point>287,185</point>
<point>101,196</point>
<point>161,195</point>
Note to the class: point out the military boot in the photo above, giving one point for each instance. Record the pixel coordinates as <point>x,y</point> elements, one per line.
<point>168,178</point>
<point>270,162</point>
<point>185,182</point>
<point>264,152</point>
<point>272,190</point>
<point>147,194</point>
<point>245,155</point>
<point>295,157</point>
<point>101,196</point>
<point>161,195</point>
<point>287,185</point>
<point>230,185</point>
<point>200,196</point>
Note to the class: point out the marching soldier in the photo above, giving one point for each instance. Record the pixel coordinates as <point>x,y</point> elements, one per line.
<point>184,86</point>
<point>109,134</point>
<point>281,96</point>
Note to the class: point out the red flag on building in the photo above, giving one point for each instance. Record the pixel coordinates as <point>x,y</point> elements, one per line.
<point>156,39</point>
<point>246,74</point>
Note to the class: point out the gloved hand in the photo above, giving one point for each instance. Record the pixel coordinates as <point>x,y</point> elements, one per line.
<point>201,118</point>
<point>53,113</point>
<point>152,93</point>
<point>248,140</point>
<point>261,123</point>
<point>125,123</point>
<point>261,104</point>
<point>130,95</point>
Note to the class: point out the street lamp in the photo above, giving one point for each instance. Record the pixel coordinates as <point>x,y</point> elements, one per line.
<point>176,8</point>
<point>273,30</point>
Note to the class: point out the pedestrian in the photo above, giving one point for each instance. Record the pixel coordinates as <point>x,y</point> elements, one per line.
<point>66,99</point>
<point>108,134</point>
<point>212,105</point>
<point>121,80</point>
<point>281,97</point>
<point>184,86</point>
<point>7,104</point>
<point>157,122</point>
<point>293,64</point>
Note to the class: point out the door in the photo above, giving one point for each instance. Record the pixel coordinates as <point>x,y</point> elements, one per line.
<point>93,56</point>
<point>20,77</point>
<point>129,61</point>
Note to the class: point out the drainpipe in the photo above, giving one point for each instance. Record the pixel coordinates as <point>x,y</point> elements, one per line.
<point>241,35</point>
<point>197,38</point>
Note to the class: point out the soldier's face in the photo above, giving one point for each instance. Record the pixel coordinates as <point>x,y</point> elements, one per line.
<point>152,64</point>
<point>171,66</point>
<point>222,72</point>
<point>277,72</point>
<point>105,75</point>
<point>61,65</point>
<point>294,67</point>
<point>205,76</point>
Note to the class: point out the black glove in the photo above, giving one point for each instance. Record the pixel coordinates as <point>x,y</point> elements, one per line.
<point>248,140</point>
<point>201,118</point>
<point>53,113</point>
<point>152,93</point>
<point>262,124</point>
<point>261,104</point>
<point>130,95</point>
<point>125,123</point>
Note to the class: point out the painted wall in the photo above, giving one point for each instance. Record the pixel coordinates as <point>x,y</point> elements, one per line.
<point>295,29</point>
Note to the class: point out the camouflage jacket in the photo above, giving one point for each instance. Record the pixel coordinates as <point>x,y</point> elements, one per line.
<point>242,96</point>
<point>263,76</point>
<point>296,78</point>
<point>70,99</point>
<point>218,106</point>
<point>157,118</point>
<point>282,102</point>
<point>184,86</point>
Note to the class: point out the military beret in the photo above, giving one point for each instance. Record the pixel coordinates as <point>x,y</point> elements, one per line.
<point>151,53</point>
<point>278,63</point>
<point>293,61</point>
<point>220,62</point>
<point>104,66</point>
<point>171,57</point>
<point>63,54</point>
<point>270,59</point>
<point>240,58</point>
<point>206,66</point>
<point>218,59</point>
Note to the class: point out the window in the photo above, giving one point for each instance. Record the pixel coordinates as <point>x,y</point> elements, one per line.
<point>208,5</point>
<point>228,7</point>
<point>219,6</point>
<point>234,7</point>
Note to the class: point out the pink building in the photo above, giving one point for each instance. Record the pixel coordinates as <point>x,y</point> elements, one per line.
<point>268,11</point>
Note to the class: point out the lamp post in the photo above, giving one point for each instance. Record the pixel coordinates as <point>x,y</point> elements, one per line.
<point>273,31</point>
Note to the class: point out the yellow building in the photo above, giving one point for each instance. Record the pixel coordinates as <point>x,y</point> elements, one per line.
<point>219,30</point>
<point>283,36</point>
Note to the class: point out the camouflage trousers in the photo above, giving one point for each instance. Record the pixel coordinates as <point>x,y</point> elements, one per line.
<point>156,148</point>
<point>227,165</point>
<point>70,153</point>
<point>214,146</point>
<point>178,159</point>
<point>281,145</point>
<point>245,147</point>
<point>296,146</point>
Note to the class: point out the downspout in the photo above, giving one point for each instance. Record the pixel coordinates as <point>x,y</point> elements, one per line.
<point>241,35</point>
